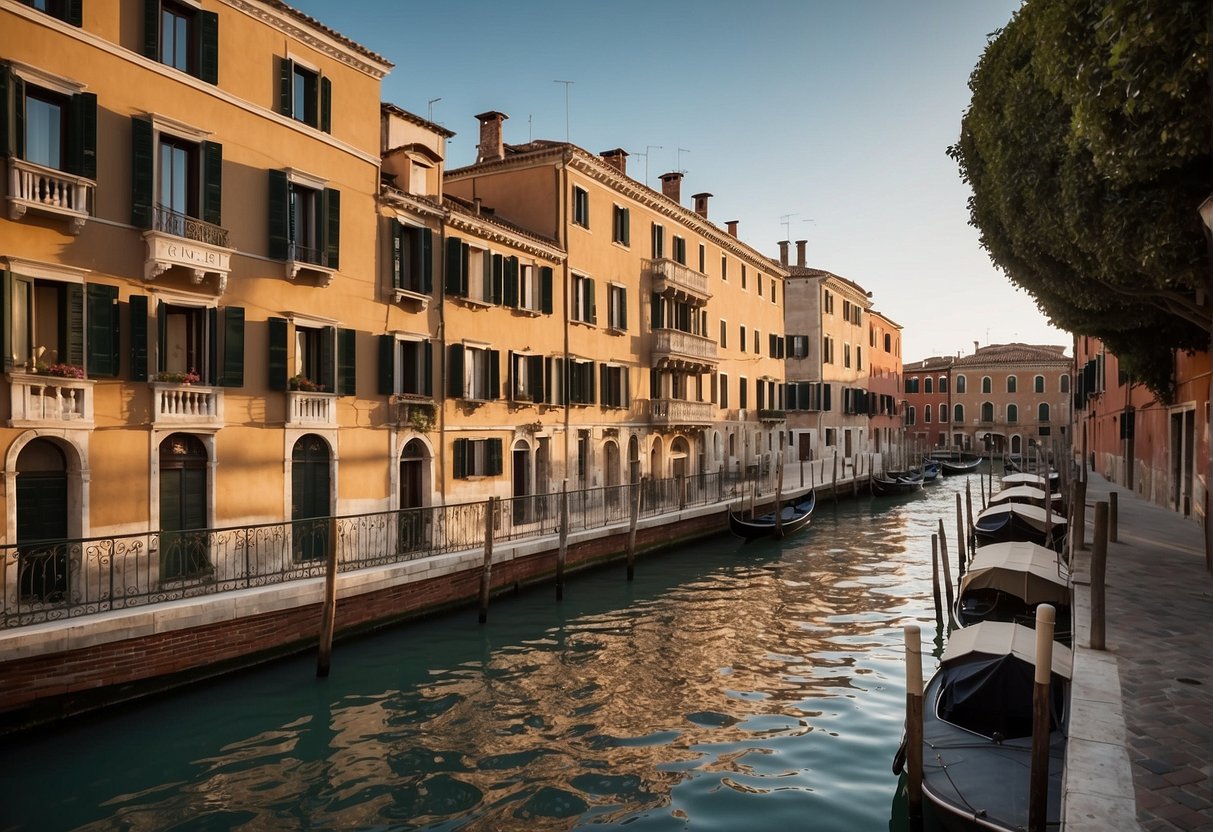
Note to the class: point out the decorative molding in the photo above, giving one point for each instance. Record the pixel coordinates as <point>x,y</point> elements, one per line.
<point>323,273</point>
<point>49,271</point>
<point>485,229</point>
<point>326,45</point>
<point>397,200</point>
<point>199,259</point>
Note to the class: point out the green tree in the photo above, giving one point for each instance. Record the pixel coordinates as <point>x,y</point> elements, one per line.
<point>1087,148</point>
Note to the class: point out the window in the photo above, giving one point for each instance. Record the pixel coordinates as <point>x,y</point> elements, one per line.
<point>799,346</point>
<point>477,274</point>
<point>724,391</point>
<point>928,385</point>
<point>477,458</point>
<point>406,366</point>
<point>305,227</point>
<point>743,273</point>
<point>1012,384</point>
<point>743,397</point>
<point>846,309</point>
<point>1065,383</point>
<point>323,356</point>
<point>827,350</point>
<point>1038,384</point>
<point>473,372</point>
<point>757,343</point>
<point>581,207</point>
<point>743,340</point>
<point>724,334</point>
<point>581,381</point>
<point>306,95</point>
<point>910,420</point>
<point>680,250</point>
<point>888,343</point>
<point>827,301</point>
<point>180,36</point>
<point>724,268</point>
<point>412,258</point>
<point>617,307</point>
<point>528,287</point>
<point>703,259</point>
<point>846,354</point>
<point>1042,412</point>
<point>177,179</point>
<point>526,377</point>
<point>69,11</point>
<point>658,241</point>
<point>943,384</point>
<point>912,385</point>
<point>926,414</point>
<point>958,413</point>
<point>960,384</point>
<point>986,384</point>
<point>943,413</point>
<point>583,300</point>
<point>614,384</point>
<point>987,411</point>
<point>1012,414</point>
<point>621,226</point>
<point>858,358</point>
<point>50,321</point>
<point>776,346</point>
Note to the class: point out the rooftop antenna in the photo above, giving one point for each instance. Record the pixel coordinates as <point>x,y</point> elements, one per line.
<point>678,164</point>
<point>430,105</point>
<point>786,219</point>
<point>566,106</point>
<point>647,148</point>
<point>530,133</point>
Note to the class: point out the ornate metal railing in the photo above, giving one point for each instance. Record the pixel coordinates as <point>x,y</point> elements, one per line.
<point>191,228</point>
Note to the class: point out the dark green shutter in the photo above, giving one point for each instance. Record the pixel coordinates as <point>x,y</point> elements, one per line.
<point>826,396</point>
<point>279,221</point>
<point>208,47</point>
<point>603,383</point>
<point>545,289</point>
<point>426,238</point>
<point>593,301</point>
<point>74,12</point>
<point>563,380</point>
<point>233,347</point>
<point>71,324</point>
<point>276,365</point>
<point>497,278</point>
<point>102,330</point>
<point>6,318</point>
<point>493,457</point>
<point>286,73</point>
<point>328,359</point>
<point>454,371</point>
<point>143,161</point>
<point>428,371</point>
<point>454,267</point>
<point>347,362</point>
<point>396,236</point>
<point>326,105</point>
<point>8,102</point>
<point>332,240</point>
<point>161,332</point>
<point>623,308</point>
<point>211,372</point>
<point>510,282</point>
<point>494,374</point>
<point>387,364</point>
<point>461,453</point>
<point>655,312</point>
<point>212,183</point>
<point>82,136</point>
<point>590,381</point>
<point>137,306</point>
<point>151,29</point>
<point>536,370</point>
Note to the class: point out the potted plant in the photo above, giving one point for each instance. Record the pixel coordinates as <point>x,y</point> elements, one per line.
<point>60,370</point>
<point>421,417</point>
<point>175,377</point>
<point>304,384</point>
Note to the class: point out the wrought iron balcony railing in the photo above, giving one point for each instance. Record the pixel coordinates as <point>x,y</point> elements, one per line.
<point>191,228</point>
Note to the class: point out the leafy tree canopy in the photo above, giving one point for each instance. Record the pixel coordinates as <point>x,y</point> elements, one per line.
<point>1087,148</point>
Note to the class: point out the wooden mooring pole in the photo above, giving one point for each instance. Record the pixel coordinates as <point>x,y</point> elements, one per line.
<point>913,636</point>
<point>935,579</point>
<point>486,570</point>
<point>961,538</point>
<point>1078,520</point>
<point>1038,790</point>
<point>328,613</point>
<point>563,553</point>
<point>1099,571</point>
<point>834,485</point>
<point>1113,515</point>
<point>632,520</point>
<point>779,498</point>
<point>947,574</point>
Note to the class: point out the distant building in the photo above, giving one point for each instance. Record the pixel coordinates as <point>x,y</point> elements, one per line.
<point>885,419</point>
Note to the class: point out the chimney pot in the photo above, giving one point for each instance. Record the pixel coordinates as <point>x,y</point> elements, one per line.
<point>617,158</point>
<point>491,146</point>
<point>671,185</point>
<point>976,344</point>
<point>783,252</point>
<point>800,256</point>
<point>701,204</point>
<point>732,226</point>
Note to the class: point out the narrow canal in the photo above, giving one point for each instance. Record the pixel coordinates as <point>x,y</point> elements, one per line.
<point>729,687</point>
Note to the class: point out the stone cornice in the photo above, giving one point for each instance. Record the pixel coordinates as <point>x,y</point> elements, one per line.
<point>487,228</point>
<point>417,204</point>
<point>316,35</point>
<point>413,118</point>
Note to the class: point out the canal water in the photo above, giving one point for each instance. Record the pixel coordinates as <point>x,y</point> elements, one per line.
<point>731,686</point>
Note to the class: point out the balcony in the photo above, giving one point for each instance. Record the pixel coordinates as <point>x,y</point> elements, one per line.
<point>684,351</point>
<point>413,411</point>
<point>677,280</point>
<point>180,240</point>
<point>677,412</point>
<point>307,409</point>
<point>179,405</point>
<point>49,191</point>
<point>39,401</point>
<point>772,415</point>
<point>310,260</point>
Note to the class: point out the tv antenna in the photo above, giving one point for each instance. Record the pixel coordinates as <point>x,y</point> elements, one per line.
<point>430,107</point>
<point>567,84</point>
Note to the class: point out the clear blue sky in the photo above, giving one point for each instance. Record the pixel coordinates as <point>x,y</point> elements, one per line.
<point>836,112</point>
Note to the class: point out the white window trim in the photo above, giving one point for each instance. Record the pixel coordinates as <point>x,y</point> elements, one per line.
<point>164,124</point>
<point>176,298</point>
<point>313,321</point>
<point>308,180</point>
<point>45,271</point>
<point>41,78</point>
<point>294,57</point>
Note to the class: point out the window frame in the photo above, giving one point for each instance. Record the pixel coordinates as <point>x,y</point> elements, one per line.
<point>581,207</point>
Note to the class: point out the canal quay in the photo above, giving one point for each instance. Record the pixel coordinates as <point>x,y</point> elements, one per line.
<point>729,686</point>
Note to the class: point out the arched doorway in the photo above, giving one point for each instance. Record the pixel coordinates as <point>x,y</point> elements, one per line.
<point>310,498</point>
<point>611,472</point>
<point>680,463</point>
<point>184,542</point>
<point>656,460</point>
<point>1016,445</point>
<point>523,510</point>
<point>42,521</point>
<point>414,523</point>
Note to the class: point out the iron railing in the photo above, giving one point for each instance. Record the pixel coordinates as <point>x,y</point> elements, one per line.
<point>191,228</point>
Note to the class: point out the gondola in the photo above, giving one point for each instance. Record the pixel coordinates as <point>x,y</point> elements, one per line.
<point>794,517</point>
<point>889,486</point>
<point>1006,581</point>
<point>977,729</point>
<point>1052,481</point>
<point>1027,495</point>
<point>1017,521</point>
<point>952,467</point>
<point>931,470</point>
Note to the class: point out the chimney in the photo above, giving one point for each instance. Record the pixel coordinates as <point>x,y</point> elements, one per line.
<point>976,345</point>
<point>701,204</point>
<point>491,148</point>
<point>732,225</point>
<point>783,252</point>
<point>800,258</point>
<point>617,158</point>
<point>671,185</point>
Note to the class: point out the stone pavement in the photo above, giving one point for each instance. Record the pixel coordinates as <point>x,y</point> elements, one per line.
<point>1141,741</point>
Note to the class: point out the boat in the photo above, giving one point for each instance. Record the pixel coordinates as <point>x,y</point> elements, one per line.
<point>1019,521</point>
<point>931,470</point>
<point>1006,581</point>
<point>952,467</point>
<point>1027,495</point>
<point>887,486</point>
<point>794,516</point>
<point>1052,481</point>
<point>977,728</point>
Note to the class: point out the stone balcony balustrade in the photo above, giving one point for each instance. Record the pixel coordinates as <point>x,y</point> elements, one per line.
<point>186,405</point>
<point>49,401</point>
<point>38,188</point>
<point>309,409</point>
<point>673,278</point>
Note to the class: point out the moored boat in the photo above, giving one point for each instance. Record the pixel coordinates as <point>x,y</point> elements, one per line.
<point>1006,582</point>
<point>952,467</point>
<point>793,517</point>
<point>1019,521</point>
<point>887,486</point>
<point>1028,495</point>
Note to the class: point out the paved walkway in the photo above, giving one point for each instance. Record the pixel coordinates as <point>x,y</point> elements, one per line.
<point>1141,753</point>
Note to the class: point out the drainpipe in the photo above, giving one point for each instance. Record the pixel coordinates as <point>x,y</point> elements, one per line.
<point>563,236</point>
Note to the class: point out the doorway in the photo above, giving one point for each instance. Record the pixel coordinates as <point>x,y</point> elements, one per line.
<point>42,522</point>
<point>310,498</point>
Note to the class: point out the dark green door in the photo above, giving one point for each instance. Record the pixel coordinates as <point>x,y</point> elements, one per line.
<point>42,522</point>
<point>414,518</point>
<point>184,543</point>
<point>310,497</point>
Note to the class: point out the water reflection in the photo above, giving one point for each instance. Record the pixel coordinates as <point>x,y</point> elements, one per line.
<point>730,687</point>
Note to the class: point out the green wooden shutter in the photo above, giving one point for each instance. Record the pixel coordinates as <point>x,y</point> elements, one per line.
<point>496,289</point>
<point>396,236</point>
<point>211,372</point>
<point>454,280</point>
<point>563,379</point>
<point>575,393</point>
<point>74,12</point>
<point>161,331</point>
<point>454,374</point>
<point>494,374</point>
<point>426,238</point>
<point>545,289</point>
<point>208,47</point>
<point>461,453</point>
<point>286,73</point>
<point>510,282</point>
<point>137,306</point>
<point>276,365</point>
<point>328,359</point>
<point>626,398</point>
<point>428,371</point>
<point>536,369</point>
<point>8,138</point>
<point>279,222</point>
<point>151,29</point>
<point>71,324</point>
<point>82,135</point>
<point>233,347</point>
<point>332,240</point>
<point>623,308</point>
<point>6,318</point>
<point>326,105</point>
<point>602,383</point>
<point>347,362</point>
<point>102,331</point>
<point>212,183</point>
<point>387,364</point>
<point>826,395</point>
<point>593,301</point>
<point>590,383</point>
<point>143,161</point>
<point>493,457</point>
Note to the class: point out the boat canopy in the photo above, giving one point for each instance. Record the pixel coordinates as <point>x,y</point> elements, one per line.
<point>1001,638</point>
<point>1032,573</point>
<point>1024,494</point>
<point>1033,515</point>
<point>1029,479</point>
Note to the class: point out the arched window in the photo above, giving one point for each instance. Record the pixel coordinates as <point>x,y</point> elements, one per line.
<point>1016,444</point>
<point>943,413</point>
<point>42,486</point>
<point>910,415</point>
<point>926,411</point>
<point>927,384</point>
<point>1012,414</point>
<point>943,384</point>
<point>1042,412</point>
<point>960,384</point>
<point>1012,384</point>
<point>1065,384</point>
<point>1038,384</point>
<point>958,413</point>
<point>987,411</point>
<point>986,385</point>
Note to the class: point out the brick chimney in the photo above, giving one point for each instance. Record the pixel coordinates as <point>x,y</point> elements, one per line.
<point>490,148</point>
<point>701,204</point>
<point>732,226</point>
<point>800,256</point>
<point>671,185</point>
<point>783,252</point>
<point>617,158</point>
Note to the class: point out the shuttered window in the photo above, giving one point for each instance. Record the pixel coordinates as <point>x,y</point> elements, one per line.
<point>477,458</point>
<point>183,37</point>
